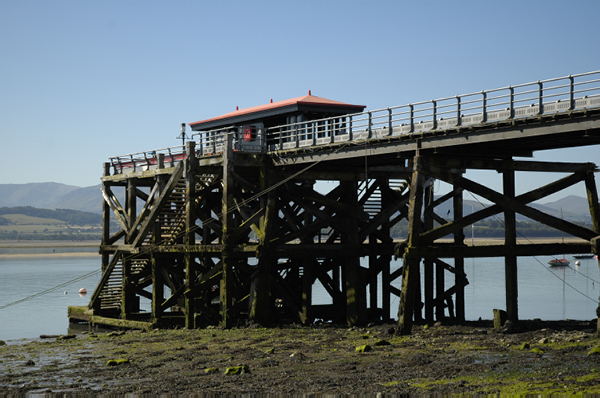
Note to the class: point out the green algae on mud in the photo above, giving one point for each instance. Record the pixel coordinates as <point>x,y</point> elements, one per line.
<point>318,359</point>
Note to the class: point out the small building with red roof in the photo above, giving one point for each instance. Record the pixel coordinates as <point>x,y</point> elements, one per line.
<point>252,124</point>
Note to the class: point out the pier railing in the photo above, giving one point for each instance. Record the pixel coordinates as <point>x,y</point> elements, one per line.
<point>513,102</point>
<point>544,97</point>
<point>149,160</point>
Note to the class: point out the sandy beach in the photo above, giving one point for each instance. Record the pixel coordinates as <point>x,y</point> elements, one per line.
<point>68,248</point>
<point>43,248</point>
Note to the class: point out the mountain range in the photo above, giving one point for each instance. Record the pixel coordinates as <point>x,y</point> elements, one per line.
<point>52,195</point>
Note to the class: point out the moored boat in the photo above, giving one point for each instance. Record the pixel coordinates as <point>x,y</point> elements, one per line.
<point>559,261</point>
<point>583,256</point>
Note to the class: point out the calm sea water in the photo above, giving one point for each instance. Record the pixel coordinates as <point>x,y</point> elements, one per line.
<point>47,314</point>
<point>544,292</point>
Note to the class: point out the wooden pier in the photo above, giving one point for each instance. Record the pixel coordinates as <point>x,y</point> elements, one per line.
<point>233,237</point>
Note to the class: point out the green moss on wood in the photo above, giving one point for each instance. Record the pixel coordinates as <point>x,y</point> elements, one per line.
<point>236,370</point>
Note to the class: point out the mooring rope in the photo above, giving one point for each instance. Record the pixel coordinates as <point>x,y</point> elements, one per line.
<point>52,289</point>
<point>538,260</point>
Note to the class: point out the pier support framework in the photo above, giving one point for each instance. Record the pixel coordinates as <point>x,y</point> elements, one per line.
<point>231,239</point>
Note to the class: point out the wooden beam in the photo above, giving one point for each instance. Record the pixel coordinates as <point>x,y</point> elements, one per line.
<point>115,206</point>
<point>144,212</point>
<point>457,162</point>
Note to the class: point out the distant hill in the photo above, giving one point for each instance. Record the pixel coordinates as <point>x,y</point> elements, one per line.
<point>30,223</point>
<point>571,206</point>
<point>51,195</point>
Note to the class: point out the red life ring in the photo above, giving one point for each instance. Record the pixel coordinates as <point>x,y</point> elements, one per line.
<point>248,133</point>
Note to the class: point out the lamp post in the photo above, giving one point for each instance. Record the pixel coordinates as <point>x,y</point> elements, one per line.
<point>183,136</point>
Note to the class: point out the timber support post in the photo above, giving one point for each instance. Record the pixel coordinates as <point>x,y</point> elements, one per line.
<point>190,231</point>
<point>227,278</point>
<point>592,196</point>
<point>260,289</point>
<point>510,242</point>
<point>128,303</point>
<point>459,261</point>
<point>356,306</point>
<point>412,257</point>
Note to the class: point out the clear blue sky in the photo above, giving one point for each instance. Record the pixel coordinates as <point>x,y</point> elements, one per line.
<point>82,81</point>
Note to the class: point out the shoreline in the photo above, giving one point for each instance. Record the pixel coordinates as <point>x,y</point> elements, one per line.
<point>13,249</point>
<point>95,244</point>
<point>28,248</point>
<point>52,244</point>
<point>37,255</point>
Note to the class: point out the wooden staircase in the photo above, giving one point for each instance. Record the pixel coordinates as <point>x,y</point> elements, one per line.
<point>172,216</point>
<point>171,219</point>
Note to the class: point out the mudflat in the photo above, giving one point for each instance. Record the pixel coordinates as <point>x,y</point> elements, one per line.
<point>535,358</point>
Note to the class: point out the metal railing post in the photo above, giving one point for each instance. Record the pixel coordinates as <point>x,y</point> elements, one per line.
<point>280,139</point>
<point>412,118</point>
<point>484,106</point>
<point>434,114</point>
<point>296,135</point>
<point>334,130</point>
<point>512,103</point>
<point>571,93</point>
<point>369,135</point>
<point>389,121</point>
<point>350,134</point>
<point>458,117</point>
<point>540,95</point>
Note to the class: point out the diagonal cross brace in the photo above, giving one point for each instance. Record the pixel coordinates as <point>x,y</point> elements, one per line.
<point>523,199</point>
<point>151,218</point>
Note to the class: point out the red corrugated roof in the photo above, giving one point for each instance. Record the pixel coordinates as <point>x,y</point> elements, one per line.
<point>305,100</point>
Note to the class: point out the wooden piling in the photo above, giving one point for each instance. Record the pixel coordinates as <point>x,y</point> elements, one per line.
<point>190,231</point>
<point>459,261</point>
<point>412,259</point>
<point>355,282</point>
<point>227,279</point>
<point>510,241</point>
